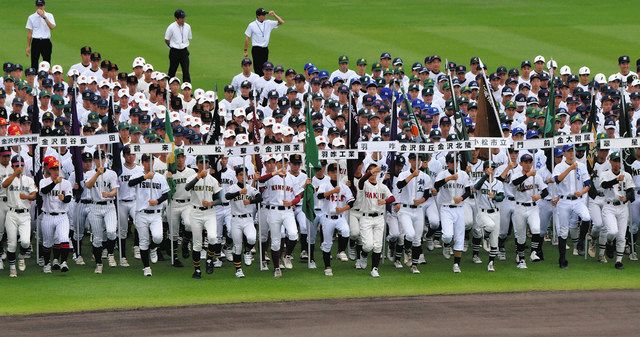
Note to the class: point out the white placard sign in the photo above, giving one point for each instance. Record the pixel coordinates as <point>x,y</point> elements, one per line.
<point>61,141</point>
<point>530,144</point>
<point>281,148</point>
<point>105,138</point>
<point>242,150</point>
<point>618,143</point>
<point>378,146</point>
<point>337,154</point>
<point>203,149</point>
<point>151,148</point>
<point>19,140</point>
<point>579,138</point>
<point>492,142</point>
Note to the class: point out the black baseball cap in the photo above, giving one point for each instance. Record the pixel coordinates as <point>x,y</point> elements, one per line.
<point>39,2</point>
<point>261,11</point>
<point>86,50</point>
<point>179,14</point>
<point>86,156</point>
<point>246,61</point>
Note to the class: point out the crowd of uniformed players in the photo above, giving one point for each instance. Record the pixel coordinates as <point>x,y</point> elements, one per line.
<point>220,209</point>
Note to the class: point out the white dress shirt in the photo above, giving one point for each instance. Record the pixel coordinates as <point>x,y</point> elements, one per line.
<point>260,32</point>
<point>39,27</point>
<point>178,36</point>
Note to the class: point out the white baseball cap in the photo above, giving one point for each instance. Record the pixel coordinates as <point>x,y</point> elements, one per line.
<point>82,79</point>
<point>198,93</point>
<point>123,93</point>
<point>600,78</point>
<point>147,67</point>
<point>584,71</point>
<point>242,139</point>
<point>186,85</point>
<point>228,133</point>
<point>565,70</point>
<point>104,83</point>
<point>196,121</point>
<point>174,79</point>
<point>204,129</point>
<point>338,141</point>
<point>174,117</point>
<point>139,59</point>
<point>157,76</point>
<point>302,136</point>
<point>187,121</point>
<point>278,128</point>
<point>539,58</point>
<point>269,121</point>
<point>73,72</point>
<point>92,79</point>
<point>552,64</point>
<point>321,140</point>
<point>614,77</point>
<point>288,131</point>
<point>237,112</point>
<point>635,82</point>
<point>137,62</point>
<point>144,105</point>
<point>161,111</point>
<point>44,66</point>
<point>210,96</point>
<point>138,97</point>
<point>56,69</point>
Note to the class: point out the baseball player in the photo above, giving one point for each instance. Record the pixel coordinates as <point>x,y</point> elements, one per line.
<point>242,198</point>
<point>127,199</point>
<point>56,194</point>
<point>279,195</point>
<point>573,181</point>
<point>530,188</point>
<point>311,227</point>
<point>205,193</point>
<point>376,197</point>
<point>395,250</point>
<point>453,188</point>
<point>151,191</point>
<point>180,207</point>
<point>81,208</point>
<point>619,190</point>
<point>21,190</point>
<point>488,191</point>
<point>301,180</point>
<point>338,199</point>
<point>635,206</point>
<point>414,189</point>
<point>507,206</point>
<point>227,177</point>
<point>103,186</point>
<point>5,171</point>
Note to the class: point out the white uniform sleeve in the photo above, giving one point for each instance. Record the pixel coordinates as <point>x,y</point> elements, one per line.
<point>167,34</point>
<point>248,31</point>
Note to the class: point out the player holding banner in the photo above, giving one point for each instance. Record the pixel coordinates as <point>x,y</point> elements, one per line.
<point>489,191</point>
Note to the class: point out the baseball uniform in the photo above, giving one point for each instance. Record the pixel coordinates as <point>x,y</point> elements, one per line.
<point>242,220</point>
<point>615,213</point>
<point>334,220</point>
<point>102,215</point>
<point>372,223</point>
<point>55,223</point>
<point>18,220</point>
<point>527,213</point>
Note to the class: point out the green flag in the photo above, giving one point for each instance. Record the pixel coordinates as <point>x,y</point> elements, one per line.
<point>549,119</point>
<point>312,164</point>
<point>171,157</point>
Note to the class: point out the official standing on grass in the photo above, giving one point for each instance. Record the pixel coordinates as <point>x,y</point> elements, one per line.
<point>259,31</point>
<point>39,26</point>
<point>177,37</point>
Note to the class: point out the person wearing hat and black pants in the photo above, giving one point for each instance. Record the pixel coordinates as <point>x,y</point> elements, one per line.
<point>39,26</point>
<point>177,38</point>
<point>259,31</point>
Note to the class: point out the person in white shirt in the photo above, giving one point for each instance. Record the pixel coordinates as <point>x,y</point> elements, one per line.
<point>245,75</point>
<point>85,60</point>
<point>343,71</point>
<point>177,38</point>
<point>259,31</point>
<point>39,26</point>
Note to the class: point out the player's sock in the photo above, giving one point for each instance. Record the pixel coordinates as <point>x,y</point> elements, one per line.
<point>364,255</point>
<point>415,255</point>
<point>501,243</point>
<point>398,251</point>
<point>358,248</point>
<point>326,257</point>
<point>144,256</point>
<point>97,254</point>
<point>431,232</point>
<point>392,244</point>
<point>236,261</point>
<point>291,244</point>
<point>263,251</point>
<point>457,256</point>
<point>375,259</point>
<point>275,258</point>
<point>603,249</point>
<point>111,245</point>
<point>195,257</point>
<point>211,252</point>
<point>407,245</point>
<point>217,250</point>
<point>312,252</point>
<point>11,257</point>
<point>619,256</point>
<point>77,247</point>
<point>352,243</point>
<point>438,234</point>
<point>342,245</point>
<point>584,229</point>
<point>562,250</point>
<point>520,250</point>
<point>535,242</point>
<point>493,253</point>
<point>175,250</point>
<point>46,255</point>
<point>64,251</point>
<point>136,239</point>
<point>249,247</point>
<point>476,242</point>
<point>123,247</point>
<point>304,244</point>
<point>56,252</point>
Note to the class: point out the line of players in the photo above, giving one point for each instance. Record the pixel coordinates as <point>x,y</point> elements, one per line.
<point>438,204</point>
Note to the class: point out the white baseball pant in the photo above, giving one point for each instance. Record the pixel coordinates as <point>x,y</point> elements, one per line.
<point>372,232</point>
<point>523,216</point>
<point>103,218</point>
<point>546,215</point>
<point>412,222</point>
<point>223,219</point>
<point>203,219</point>
<point>149,227</point>
<point>595,207</point>
<point>275,219</point>
<point>432,214</point>
<point>569,210</point>
<point>242,225</point>
<point>126,209</point>
<point>507,208</point>
<point>453,226</point>
<point>490,223</point>
<point>392,224</point>
<point>80,219</point>
<point>615,218</point>
<point>329,225</point>
<point>354,226</point>
<point>635,214</point>
<point>18,224</point>
<point>55,229</point>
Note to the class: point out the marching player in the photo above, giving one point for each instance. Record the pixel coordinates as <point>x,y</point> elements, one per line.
<point>311,227</point>
<point>180,207</point>
<point>300,179</point>
<point>103,186</point>
<point>619,190</point>
<point>127,199</point>
<point>508,204</point>
<point>242,198</point>
<point>635,206</point>
<point>205,193</point>
<point>227,177</point>
<point>489,191</point>
<point>414,190</point>
<point>21,190</point>
<point>573,181</point>
<point>530,188</point>
<point>56,194</point>
<point>151,191</point>
<point>376,197</point>
<point>453,188</point>
<point>81,208</point>
<point>338,199</point>
<point>5,171</point>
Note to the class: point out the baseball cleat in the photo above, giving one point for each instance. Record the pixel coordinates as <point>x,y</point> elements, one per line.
<point>407,259</point>
<point>264,266</point>
<point>79,261</point>
<point>217,263</point>
<point>197,274</point>
<point>446,252</point>
<point>153,255</point>
<point>502,256</point>
<point>476,259</point>
<point>21,264</point>
<point>437,244</point>
<point>229,255</point>
<point>328,272</point>
<point>277,273</point>
<point>55,265</point>
<point>304,256</point>
<point>312,264</point>
<point>146,271</point>
<point>575,251</point>
<point>534,257</point>
<point>352,253</point>
<point>415,270</point>
<point>456,268</point>
<point>12,271</point>
<point>390,256</point>
<point>397,264</point>
<point>239,273</point>
<point>430,245</point>
<point>485,245</point>
<point>209,267</point>
<point>602,259</point>
<point>619,265</point>
<point>124,262</point>
<point>248,258</point>
<point>64,267</point>
<point>592,249</point>
<point>422,260</point>
<point>281,264</point>
<point>288,262</point>
<point>112,261</point>
<point>633,256</point>
<point>47,268</point>
<point>136,252</point>
<point>342,256</point>
<point>177,263</point>
<point>363,263</point>
<point>490,267</point>
<point>359,264</point>
<point>522,264</point>
<point>374,272</point>
<point>98,269</point>
<point>41,262</point>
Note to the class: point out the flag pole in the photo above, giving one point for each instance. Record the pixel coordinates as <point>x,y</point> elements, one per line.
<point>255,133</point>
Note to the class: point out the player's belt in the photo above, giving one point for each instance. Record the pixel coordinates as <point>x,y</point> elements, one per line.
<point>614,202</point>
<point>601,194</point>
<point>102,203</point>
<point>201,208</point>
<point>526,204</point>
<point>511,198</point>
<point>19,211</point>
<point>131,200</point>
<point>181,201</point>
<point>372,215</point>
<point>333,217</point>
<point>86,201</point>
<point>4,199</point>
<point>54,214</point>
<point>452,206</point>
<point>151,211</point>
<point>491,210</point>
<point>241,216</point>
<point>569,197</point>
<point>318,209</point>
<point>281,208</point>
<point>224,204</point>
<point>409,206</point>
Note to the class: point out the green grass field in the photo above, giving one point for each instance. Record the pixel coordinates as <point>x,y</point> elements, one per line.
<point>576,33</point>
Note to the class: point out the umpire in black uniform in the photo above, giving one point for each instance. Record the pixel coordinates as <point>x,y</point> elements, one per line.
<point>177,37</point>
